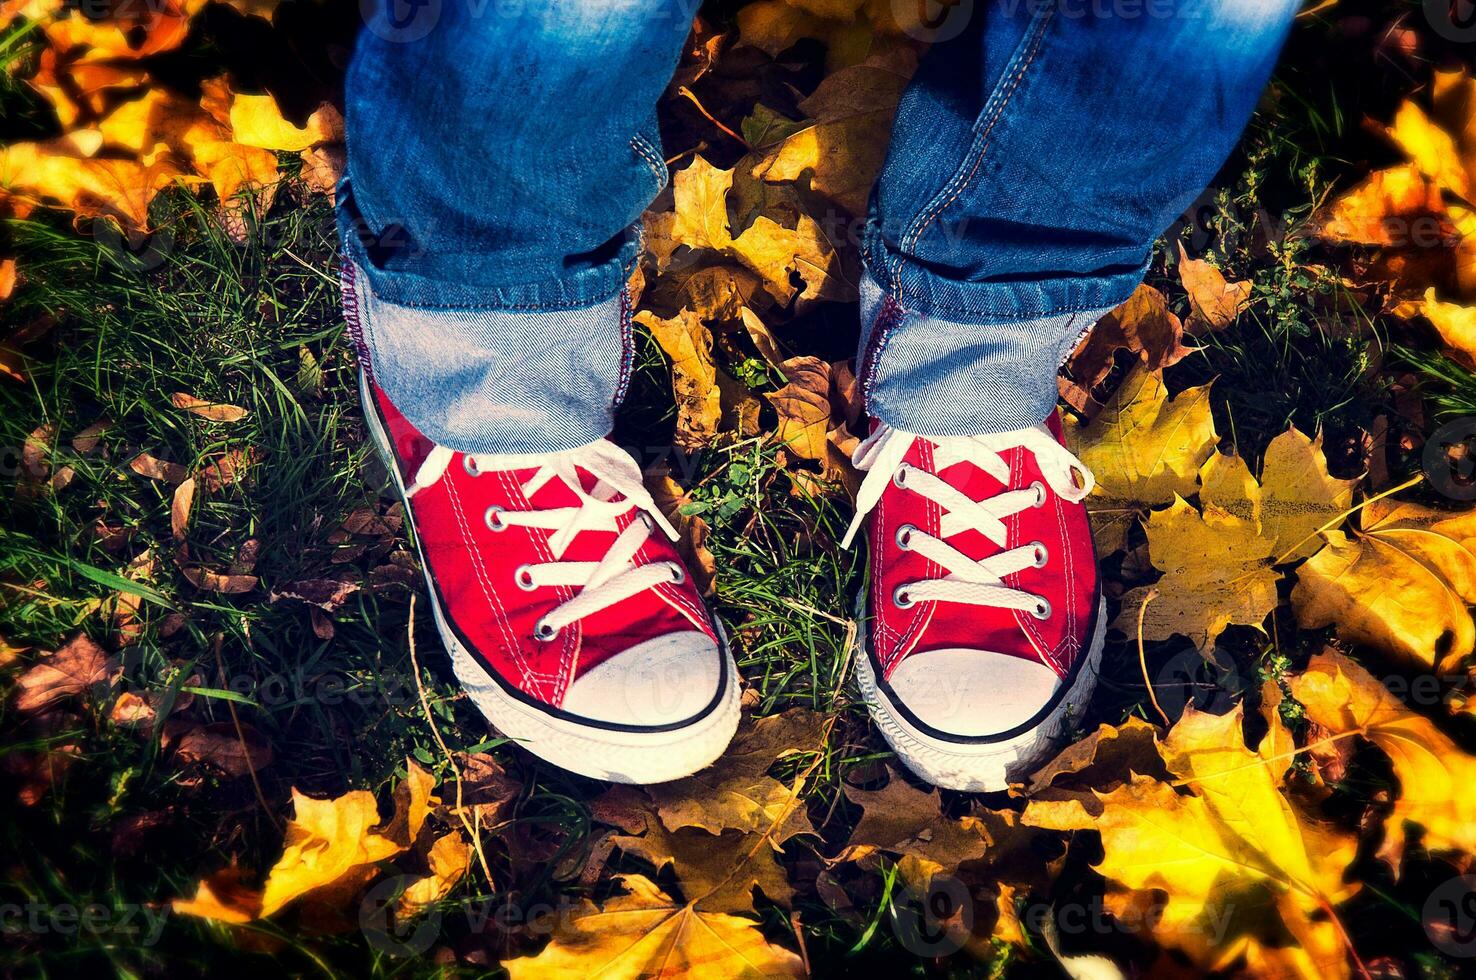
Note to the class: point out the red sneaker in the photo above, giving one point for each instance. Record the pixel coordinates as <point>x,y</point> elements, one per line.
<point>986,621</point>
<point>570,619</point>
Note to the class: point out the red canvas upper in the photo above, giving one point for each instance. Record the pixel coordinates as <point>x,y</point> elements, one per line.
<point>1067,580</point>
<point>475,569</point>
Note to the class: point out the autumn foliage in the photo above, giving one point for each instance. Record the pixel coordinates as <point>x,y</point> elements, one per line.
<point>1306,566</point>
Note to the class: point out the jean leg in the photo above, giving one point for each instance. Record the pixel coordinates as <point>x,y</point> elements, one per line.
<point>499,157</point>
<point>1035,158</point>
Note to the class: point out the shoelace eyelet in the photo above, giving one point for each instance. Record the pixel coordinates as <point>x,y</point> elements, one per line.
<point>678,572</point>
<point>1042,609</point>
<point>493,522</point>
<point>901,599</point>
<point>904,536</point>
<point>544,632</point>
<point>1041,555</point>
<point>470,465</point>
<point>1040,493</point>
<point>899,478</point>
<point>524,577</point>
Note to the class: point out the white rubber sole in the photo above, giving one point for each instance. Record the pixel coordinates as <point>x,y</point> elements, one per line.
<point>979,767</point>
<point>639,757</point>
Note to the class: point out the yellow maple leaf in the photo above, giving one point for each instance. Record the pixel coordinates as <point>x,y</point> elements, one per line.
<point>645,934</point>
<point>1294,498</point>
<point>768,248</point>
<point>1217,571</point>
<point>1384,208</point>
<point>449,858</point>
<point>1401,583</point>
<point>1229,846</point>
<point>844,142</point>
<point>256,121</point>
<point>1144,448</point>
<point>693,375</point>
<point>1435,774</point>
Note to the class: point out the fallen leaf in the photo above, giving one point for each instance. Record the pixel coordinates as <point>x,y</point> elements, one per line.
<point>643,933</point>
<point>1435,774</point>
<point>1143,449</point>
<point>736,792</point>
<point>179,509</point>
<point>1215,302</point>
<point>156,469</point>
<point>716,873</point>
<point>1143,326</point>
<point>449,858</point>
<point>215,411</point>
<point>1217,571</point>
<point>76,668</point>
<point>1401,583</point>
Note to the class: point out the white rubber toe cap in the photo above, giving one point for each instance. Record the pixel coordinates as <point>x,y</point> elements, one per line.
<point>972,692</point>
<point>664,681</point>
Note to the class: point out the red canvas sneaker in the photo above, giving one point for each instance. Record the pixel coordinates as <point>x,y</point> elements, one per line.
<point>985,617</point>
<point>569,616</point>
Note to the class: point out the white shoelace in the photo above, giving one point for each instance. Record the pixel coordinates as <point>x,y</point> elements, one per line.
<point>618,488</point>
<point>979,583</point>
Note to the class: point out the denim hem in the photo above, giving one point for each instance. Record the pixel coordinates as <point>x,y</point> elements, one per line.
<point>583,288</point>
<point>936,377</point>
<point>494,381</point>
<point>927,293</point>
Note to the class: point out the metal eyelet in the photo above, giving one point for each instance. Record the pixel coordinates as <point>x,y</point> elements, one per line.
<point>1040,493</point>
<point>678,572</point>
<point>493,522</point>
<point>904,536</point>
<point>648,521</point>
<point>543,631</point>
<point>899,478</point>
<point>470,465</point>
<point>524,577</point>
<point>1042,609</point>
<point>901,599</point>
<point>1041,555</point>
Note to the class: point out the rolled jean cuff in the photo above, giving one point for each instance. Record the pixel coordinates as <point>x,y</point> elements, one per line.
<point>935,377</point>
<point>494,381</point>
<point>918,288</point>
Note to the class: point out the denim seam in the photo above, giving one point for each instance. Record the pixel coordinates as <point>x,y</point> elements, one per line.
<point>913,299</point>
<point>627,348</point>
<point>962,179</point>
<point>648,153</point>
<point>349,296</point>
<point>881,334</point>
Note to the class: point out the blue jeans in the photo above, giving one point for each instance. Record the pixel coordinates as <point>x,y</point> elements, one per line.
<point>500,156</point>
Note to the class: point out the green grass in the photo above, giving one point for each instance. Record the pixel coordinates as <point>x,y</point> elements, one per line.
<point>256,323</point>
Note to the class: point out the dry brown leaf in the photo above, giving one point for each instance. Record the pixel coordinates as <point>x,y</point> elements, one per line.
<point>215,411</point>
<point>76,668</point>
<point>1143,326</point>
<point>1215,302</point>
<point>156,469</point>
<point>180,507</point>
<point>736,793</point>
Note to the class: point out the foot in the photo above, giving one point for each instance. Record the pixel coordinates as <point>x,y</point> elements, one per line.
<point>985,619</point>
<point>569,616</point>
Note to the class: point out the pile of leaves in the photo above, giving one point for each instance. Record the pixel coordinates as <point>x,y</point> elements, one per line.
<point>1273,780</point>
